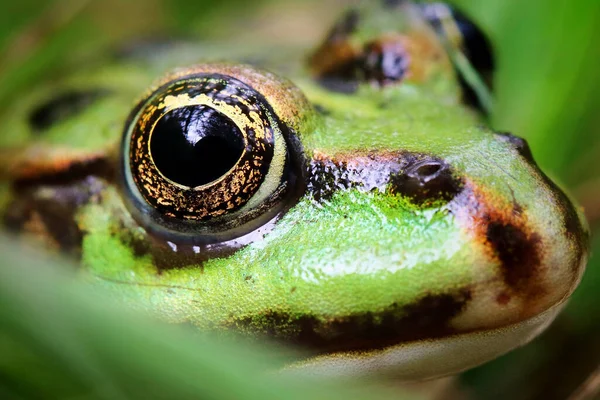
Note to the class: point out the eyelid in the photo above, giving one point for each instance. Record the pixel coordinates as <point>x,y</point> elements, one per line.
<point>281,180</point>
<point>286,99</point>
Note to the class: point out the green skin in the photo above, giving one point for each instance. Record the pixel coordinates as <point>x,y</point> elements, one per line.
<point>331,273</point>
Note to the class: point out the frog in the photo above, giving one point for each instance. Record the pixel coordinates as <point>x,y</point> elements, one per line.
<point>350,202</point>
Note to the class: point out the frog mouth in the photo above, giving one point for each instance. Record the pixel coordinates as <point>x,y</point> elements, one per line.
<point>426,319</point>
<point>428,358</point>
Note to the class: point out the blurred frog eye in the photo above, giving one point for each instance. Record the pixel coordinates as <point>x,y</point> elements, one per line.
<point>206,159</point>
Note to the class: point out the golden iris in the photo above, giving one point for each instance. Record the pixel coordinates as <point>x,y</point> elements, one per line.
<point>202,148</point>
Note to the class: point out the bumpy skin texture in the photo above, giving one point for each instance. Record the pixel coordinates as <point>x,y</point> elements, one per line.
<point>415,222</point>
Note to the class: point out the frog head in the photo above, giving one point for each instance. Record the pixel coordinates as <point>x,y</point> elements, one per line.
<point>355,208</point>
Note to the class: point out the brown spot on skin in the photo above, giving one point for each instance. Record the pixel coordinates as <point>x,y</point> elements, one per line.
<point>336,55</point>
<point>519,247</point>
<point>429,318</point>
<point>346,58</point>
<point>424,179</point>
<point>386,61</point>
<point>519,254</point>
<point>345,26</point>
<point>577,234</point>
<point>426,54</point>
<point>413,55</point>
<point>36,229</point>
<point>508,238</point>
<point>48,212</point>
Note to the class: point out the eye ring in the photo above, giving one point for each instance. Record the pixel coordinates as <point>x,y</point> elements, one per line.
<point>160,175</point>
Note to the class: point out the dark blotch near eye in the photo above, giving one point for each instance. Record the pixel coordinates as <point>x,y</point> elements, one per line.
<point>384,62</point>
<point>422,178</point>
<point>63,106</point>
<point>53,214</point>
<point>195,145</point>
<point>335,69</point>
<point>381,62</point>
<point>426,181</point>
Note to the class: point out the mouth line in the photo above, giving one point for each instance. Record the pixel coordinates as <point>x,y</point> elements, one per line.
<point>427,358</point>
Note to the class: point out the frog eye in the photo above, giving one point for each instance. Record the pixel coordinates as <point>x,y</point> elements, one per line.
<point>206,159</point>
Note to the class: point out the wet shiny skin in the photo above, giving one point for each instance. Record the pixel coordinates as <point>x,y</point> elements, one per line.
<point>391,233</point>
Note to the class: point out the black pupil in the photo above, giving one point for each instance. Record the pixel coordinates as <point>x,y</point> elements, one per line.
<point>195,145</point>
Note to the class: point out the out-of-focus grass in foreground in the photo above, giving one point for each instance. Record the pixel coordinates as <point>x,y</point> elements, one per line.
<point>60,340</point>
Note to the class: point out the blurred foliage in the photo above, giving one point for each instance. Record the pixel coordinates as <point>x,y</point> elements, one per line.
<point>60,340</point>
<point>547,84</point>
<point>548,90</point>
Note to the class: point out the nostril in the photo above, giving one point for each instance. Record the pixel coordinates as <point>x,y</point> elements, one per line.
<point>426,181</point>
<point>426,171</point>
